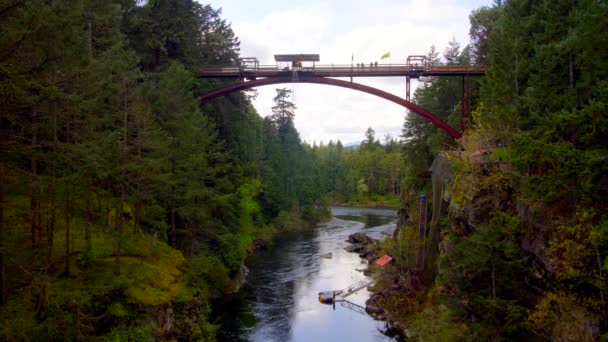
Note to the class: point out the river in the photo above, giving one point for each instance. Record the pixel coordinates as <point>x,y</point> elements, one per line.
<point>280,300</point>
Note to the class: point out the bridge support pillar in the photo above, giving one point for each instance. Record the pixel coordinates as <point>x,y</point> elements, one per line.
<point>465,103</point>
<point>407,88</point>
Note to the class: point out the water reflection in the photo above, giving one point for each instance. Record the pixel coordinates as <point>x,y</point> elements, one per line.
<point>279,303</point>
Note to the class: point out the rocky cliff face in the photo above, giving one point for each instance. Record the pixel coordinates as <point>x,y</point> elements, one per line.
<point>472,198</point>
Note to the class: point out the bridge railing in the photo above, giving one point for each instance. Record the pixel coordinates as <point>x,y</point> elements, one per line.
<point>342,68</point>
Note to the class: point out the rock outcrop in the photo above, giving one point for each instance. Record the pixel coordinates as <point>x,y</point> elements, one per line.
<point>362,244</point>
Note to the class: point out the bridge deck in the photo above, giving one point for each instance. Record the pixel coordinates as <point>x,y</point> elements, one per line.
<point>382,70</point>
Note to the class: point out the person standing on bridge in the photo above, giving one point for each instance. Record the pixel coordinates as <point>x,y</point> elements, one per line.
<point>376,64</point>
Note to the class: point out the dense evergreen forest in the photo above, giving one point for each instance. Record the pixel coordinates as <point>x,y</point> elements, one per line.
<point>370,174</point>
<point>126,206</point>
<point>517,247</point>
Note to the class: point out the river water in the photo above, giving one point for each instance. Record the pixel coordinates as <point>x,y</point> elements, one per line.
<point>280,300</point>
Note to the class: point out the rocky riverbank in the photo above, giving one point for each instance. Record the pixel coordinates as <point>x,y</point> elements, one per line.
<point>363,245</point>
<point>369,249</point>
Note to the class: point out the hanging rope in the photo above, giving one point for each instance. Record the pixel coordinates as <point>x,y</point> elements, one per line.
<point>294,80</point>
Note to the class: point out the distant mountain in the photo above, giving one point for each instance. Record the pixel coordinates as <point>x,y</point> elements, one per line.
<point>353,145</point>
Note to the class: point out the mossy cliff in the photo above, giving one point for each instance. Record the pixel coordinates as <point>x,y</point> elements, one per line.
<point>492,264</point>
<point>143,291</point>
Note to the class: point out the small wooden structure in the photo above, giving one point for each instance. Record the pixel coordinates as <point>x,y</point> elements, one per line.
<point>297,59</point>
<point>383,260</point>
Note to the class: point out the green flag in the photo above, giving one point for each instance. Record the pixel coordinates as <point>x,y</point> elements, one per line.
<point>386,55</point>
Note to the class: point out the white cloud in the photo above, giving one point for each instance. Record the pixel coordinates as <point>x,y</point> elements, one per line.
<point>336,30</point>
<point>277,32</point>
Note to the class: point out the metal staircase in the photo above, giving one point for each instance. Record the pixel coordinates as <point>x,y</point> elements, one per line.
<point>358,286</point>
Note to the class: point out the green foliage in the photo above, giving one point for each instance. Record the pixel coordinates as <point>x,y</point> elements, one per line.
<point>130,334</point>
<point>488,269</point>
<point>576,248</point>
<point>117,310</point>
<point>231,252</point>
<point>107,156</point>
<point>371,173</point>
<point>291,174</point>
<point>285,221</point>
<point>403,248</point>
<point>200,330</point>
<point>569,157</point>
<point>421,139</point>
<point>111,158</point>
<point>151,274</point>
<point>562,316</point>
<point>17,320</point>
<point>362,188</point>
<point>212,270</point>
<point>436,323</point>
<point>540,110</point>
<point>250,211</point>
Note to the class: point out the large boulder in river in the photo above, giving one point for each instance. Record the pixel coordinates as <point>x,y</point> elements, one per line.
<point>356,248</point>
<point>360,238</point>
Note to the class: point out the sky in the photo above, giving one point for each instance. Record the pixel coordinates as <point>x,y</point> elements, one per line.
<point>337,30</point>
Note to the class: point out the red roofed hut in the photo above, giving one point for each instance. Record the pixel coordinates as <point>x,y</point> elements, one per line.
<point>384,260</point>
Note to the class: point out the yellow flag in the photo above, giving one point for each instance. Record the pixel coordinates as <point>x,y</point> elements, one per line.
<point>386,55</point>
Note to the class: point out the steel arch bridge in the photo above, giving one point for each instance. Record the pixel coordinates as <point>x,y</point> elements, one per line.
<point>249,77</point>
<point>338,83</point>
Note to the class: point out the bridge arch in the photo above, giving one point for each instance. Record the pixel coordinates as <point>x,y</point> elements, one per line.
<point>338,83</point>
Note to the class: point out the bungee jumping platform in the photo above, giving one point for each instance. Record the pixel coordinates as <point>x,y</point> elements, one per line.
<point>331,297</point>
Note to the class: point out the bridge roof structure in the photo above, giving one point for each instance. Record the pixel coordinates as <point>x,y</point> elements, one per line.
<point>297,57</point>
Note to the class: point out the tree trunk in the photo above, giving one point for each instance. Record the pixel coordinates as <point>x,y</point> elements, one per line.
<point>89,37</point>
<point>50,230</point>
<point>87,232</point>
<point>33,200</point>
<point>395,187</point>
<point>2,251</point>
<point>516,66</point>
<point>33,209</point>
<point>51,223</point>
<point>106,226</point>
<point>173,228</point>
<point>493,283</point>
<point>67,232</point>
<point>571,69</point>
<point>39,214</point>
<point>599,267</point>
<point>119,223</point>
<point>137,218</point>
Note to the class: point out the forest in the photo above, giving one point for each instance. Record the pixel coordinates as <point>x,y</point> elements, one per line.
<point>369,174</point>
<point>517,244</point>
<point>126,206</point>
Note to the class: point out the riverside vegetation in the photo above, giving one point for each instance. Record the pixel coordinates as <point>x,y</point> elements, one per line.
<point>125,206</point>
